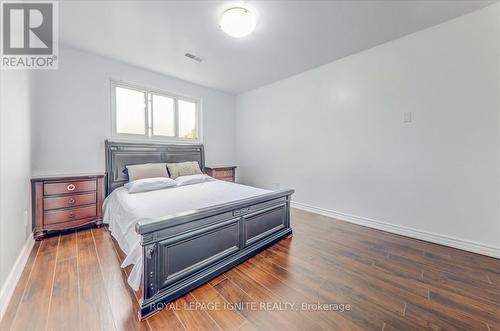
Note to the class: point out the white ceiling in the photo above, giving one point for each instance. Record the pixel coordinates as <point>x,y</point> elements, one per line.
<point>290,37</point>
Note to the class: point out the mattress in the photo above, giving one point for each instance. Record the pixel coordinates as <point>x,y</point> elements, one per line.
<point>122,211</point>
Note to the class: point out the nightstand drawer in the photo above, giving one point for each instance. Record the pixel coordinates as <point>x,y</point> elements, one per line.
<point>226,173</point>
<point>69,187</point>
<point>69,201</point>
<point>65,215</point>
<point>223,173</point>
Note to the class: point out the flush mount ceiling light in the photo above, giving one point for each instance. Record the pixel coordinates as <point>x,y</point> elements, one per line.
<point>237,22</point>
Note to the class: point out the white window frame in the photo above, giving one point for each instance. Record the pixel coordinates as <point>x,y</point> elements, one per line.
<point>148,111</point>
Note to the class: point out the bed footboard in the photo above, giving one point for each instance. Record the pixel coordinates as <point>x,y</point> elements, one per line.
<point>183,251</point>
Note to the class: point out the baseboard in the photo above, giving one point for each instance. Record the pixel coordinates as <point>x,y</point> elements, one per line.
<point>462,244</point>
<point>15,273</point>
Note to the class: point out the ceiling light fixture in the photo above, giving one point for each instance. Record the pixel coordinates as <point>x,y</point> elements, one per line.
<point>237,22</point>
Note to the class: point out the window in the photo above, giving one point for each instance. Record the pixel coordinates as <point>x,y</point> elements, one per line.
<point>147,114</point>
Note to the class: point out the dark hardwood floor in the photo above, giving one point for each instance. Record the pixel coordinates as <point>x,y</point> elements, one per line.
<point>390,282</point>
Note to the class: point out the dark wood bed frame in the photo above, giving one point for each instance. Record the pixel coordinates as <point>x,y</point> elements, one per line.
<point>185,250</point>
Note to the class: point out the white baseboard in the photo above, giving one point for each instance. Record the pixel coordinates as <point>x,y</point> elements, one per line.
<point>15,273</point>
<point>463,244</point>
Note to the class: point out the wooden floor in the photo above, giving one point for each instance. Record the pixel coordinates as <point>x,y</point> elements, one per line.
<point>74,282</point>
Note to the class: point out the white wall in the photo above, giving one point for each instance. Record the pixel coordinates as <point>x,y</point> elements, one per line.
<point>73,118</point>
<point>16,88</point>
<point>336,133</point>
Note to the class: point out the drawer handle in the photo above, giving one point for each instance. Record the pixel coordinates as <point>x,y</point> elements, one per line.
<point>70,187</point>
<point>71,215</point>
<point>71,201</point>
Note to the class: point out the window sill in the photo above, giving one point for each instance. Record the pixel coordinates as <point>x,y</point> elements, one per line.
<point>153,140</point>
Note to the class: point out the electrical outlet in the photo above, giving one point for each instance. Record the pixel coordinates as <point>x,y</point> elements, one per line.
<point>407,117</point>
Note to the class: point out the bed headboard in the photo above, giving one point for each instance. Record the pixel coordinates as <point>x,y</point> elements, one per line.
<point>121,154</point>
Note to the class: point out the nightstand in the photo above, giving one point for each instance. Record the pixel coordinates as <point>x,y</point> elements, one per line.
<point>226,173</point>
<point>66,202</point>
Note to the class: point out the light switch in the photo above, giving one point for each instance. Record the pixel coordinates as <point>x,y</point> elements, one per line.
<point>407,118</point>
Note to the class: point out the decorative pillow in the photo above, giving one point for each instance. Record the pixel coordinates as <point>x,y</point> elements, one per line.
<point>146,170</point>
<point>149,184</point>
<point>192,179</point>
<point>183,169</point>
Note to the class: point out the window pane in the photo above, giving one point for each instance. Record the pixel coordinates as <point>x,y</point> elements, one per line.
<point>163,116</point>
<point>187,119</point>
<point>130,112</point>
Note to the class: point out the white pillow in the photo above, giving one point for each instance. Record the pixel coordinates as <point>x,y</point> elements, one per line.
<point>192,179</point>
<point>149,184</point>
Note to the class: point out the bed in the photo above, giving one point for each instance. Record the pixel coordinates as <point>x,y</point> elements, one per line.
<point>179,238</point>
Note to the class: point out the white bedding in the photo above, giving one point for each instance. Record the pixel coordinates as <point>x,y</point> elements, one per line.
<point>122,211</point>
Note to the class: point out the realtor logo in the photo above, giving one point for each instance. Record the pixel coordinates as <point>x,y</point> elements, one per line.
<point>29,35</point>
